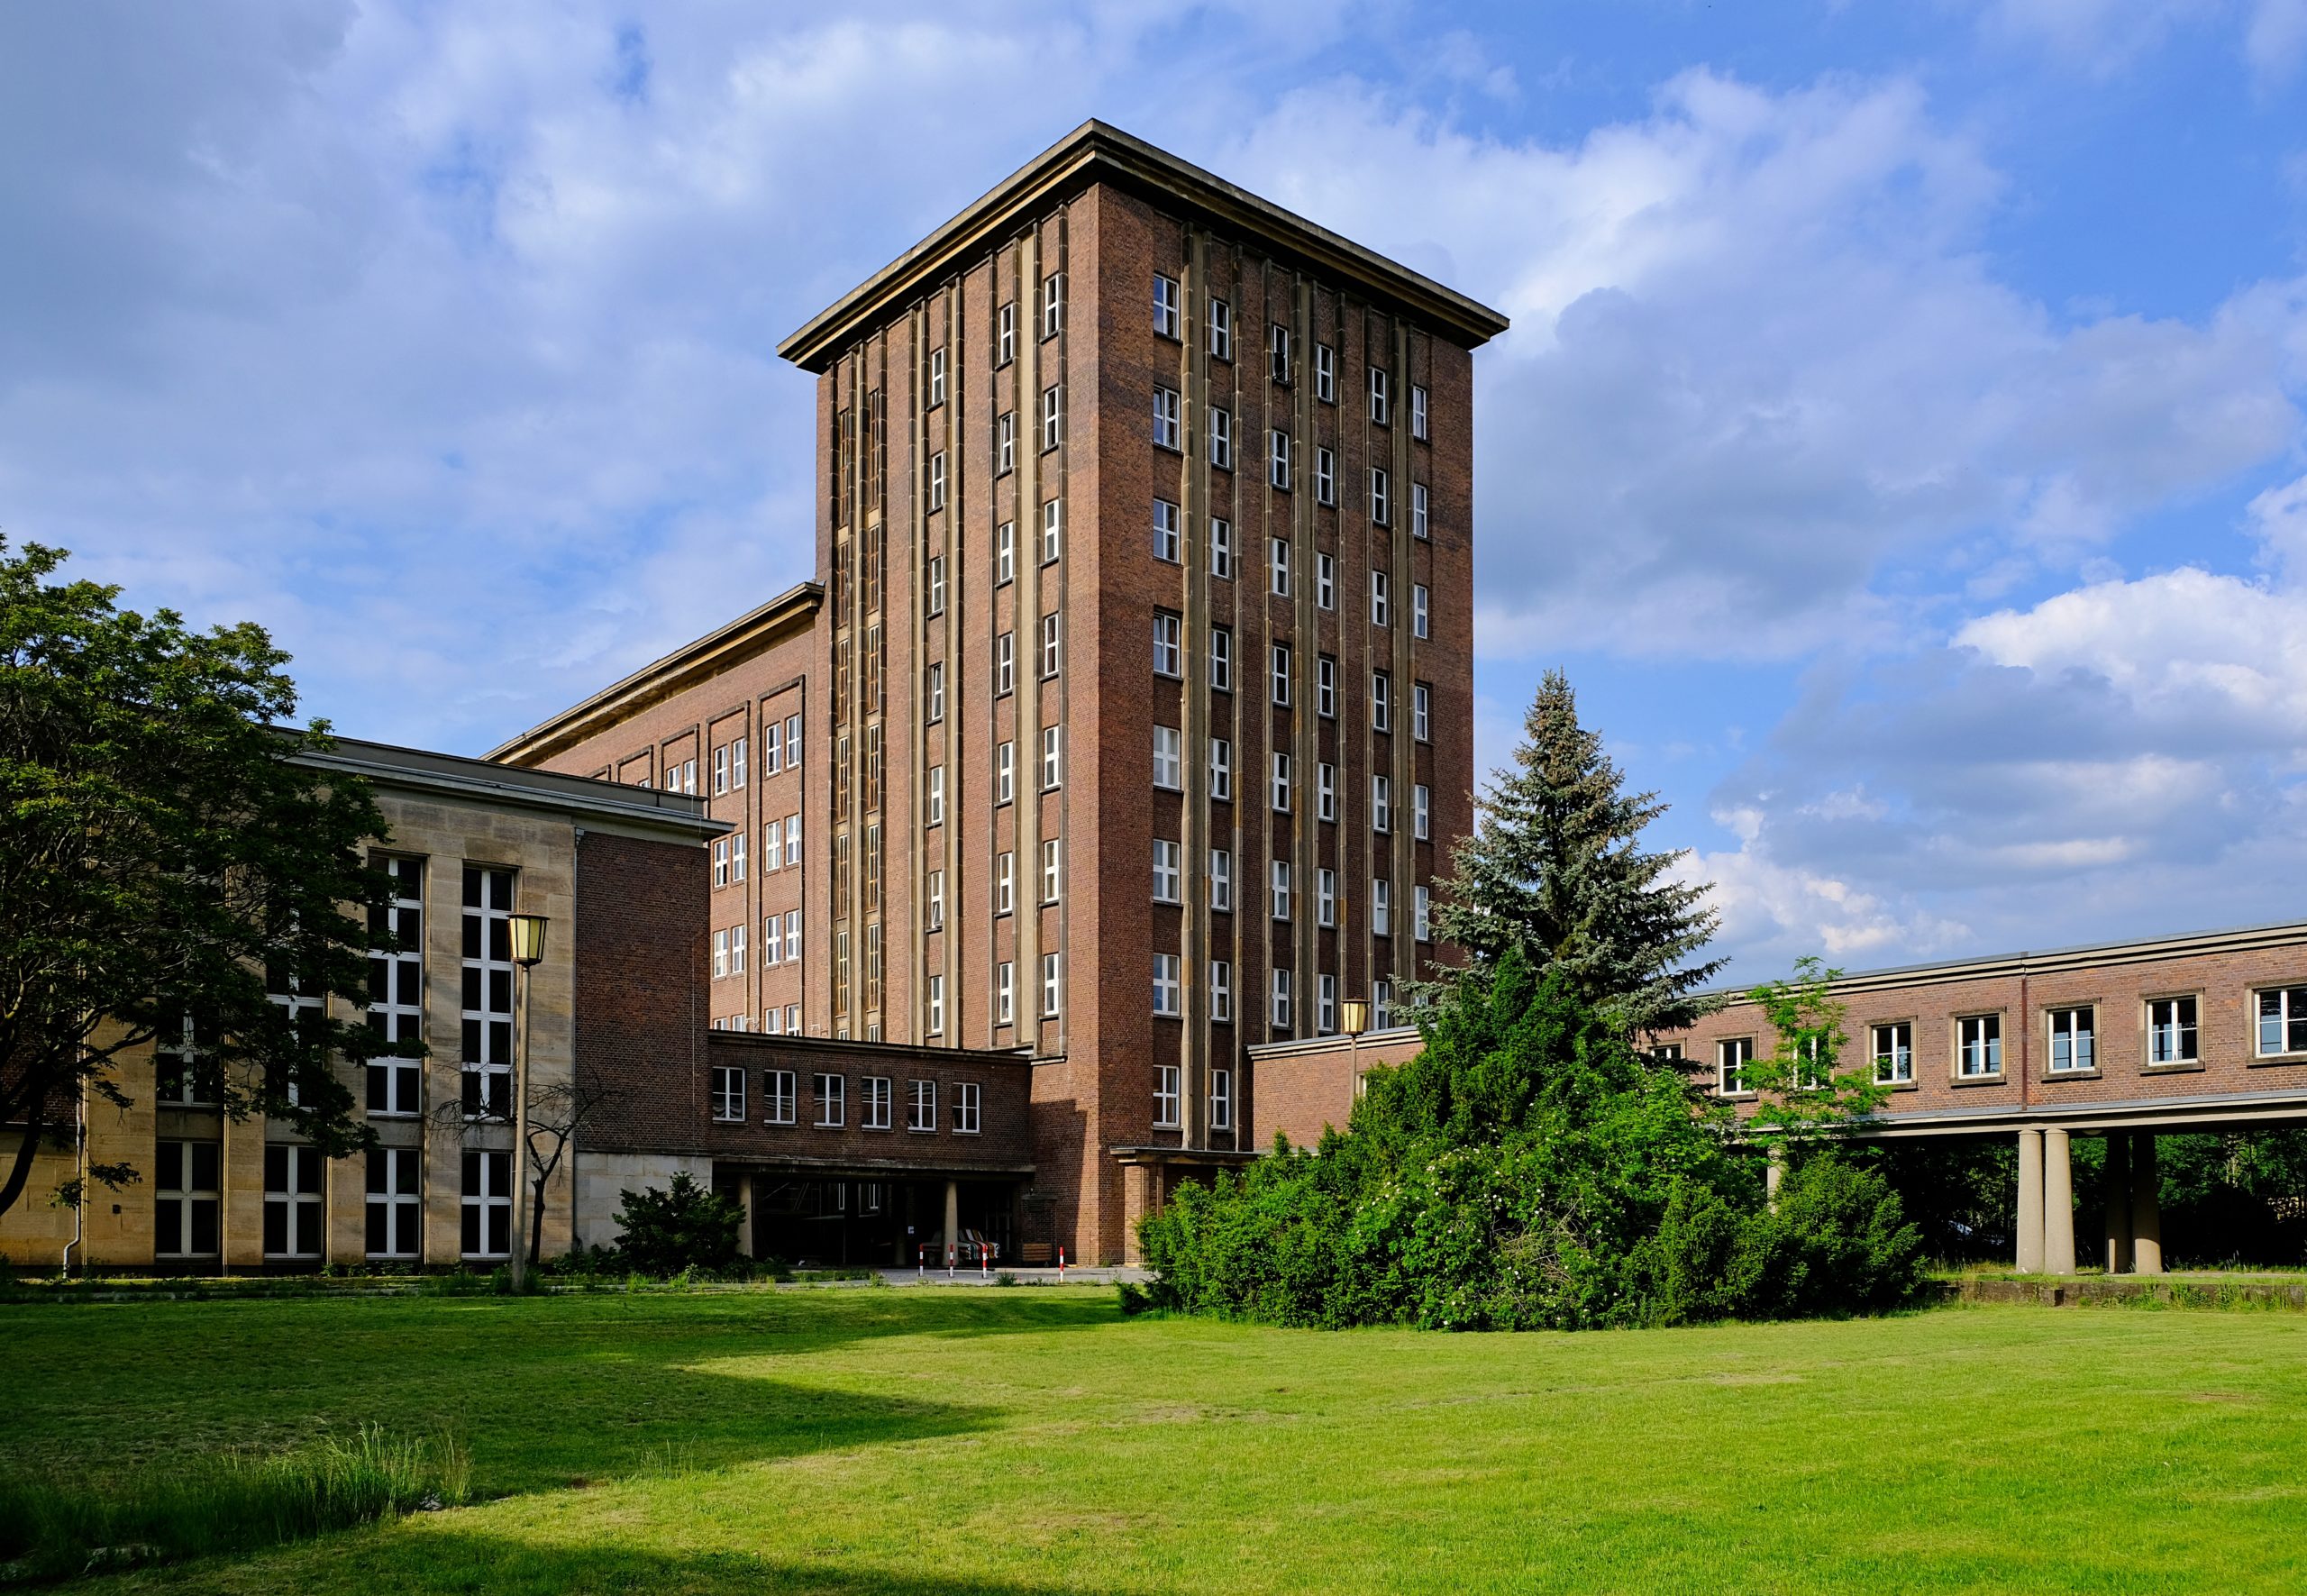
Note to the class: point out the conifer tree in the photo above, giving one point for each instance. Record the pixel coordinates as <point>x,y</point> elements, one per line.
<point>1553,867</point>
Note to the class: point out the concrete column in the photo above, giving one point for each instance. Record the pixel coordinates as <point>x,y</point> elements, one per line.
<point>2029,1248</point>
<point>1774,1174</point>
<point>746,1228</point>
<point>2118,1180</point>
<point>2146,1205</point>
<point>2059,1204</point>
<point>954,1189</point>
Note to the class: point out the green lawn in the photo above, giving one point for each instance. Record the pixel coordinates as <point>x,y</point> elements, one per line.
<point>968,1443</point>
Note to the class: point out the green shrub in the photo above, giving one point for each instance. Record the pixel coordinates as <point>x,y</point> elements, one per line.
<point>682,1226</point>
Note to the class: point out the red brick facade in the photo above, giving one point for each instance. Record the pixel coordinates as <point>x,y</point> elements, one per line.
<point>992,482</point>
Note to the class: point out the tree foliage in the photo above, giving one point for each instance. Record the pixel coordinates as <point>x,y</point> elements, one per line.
<point>1553,867</point>
<point>679,1226</point>
<point>1803,1091</point>
<point>1529,1168</point>
<point>168,871</point>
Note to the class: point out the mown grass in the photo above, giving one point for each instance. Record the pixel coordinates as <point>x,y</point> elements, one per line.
<point>970,1443</point>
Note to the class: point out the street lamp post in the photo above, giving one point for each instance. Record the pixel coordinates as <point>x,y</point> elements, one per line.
<point>526,932</point>
<point>1353,1019</point>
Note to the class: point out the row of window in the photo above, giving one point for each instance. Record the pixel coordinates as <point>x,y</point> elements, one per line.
<point>1168,1002</point>
<point>774,1021</point>
<point>1169,776</point>
<point>780,943</point>
<point>1282,464</point>
<point>187,1201</point>
<point>1168,320</point>
<point>780,750</point>
<point>1005,335</point>
<point>780,848</point>
<point>1167,1098</point>
<point>780,1104</point>
<point>2172,1030</point>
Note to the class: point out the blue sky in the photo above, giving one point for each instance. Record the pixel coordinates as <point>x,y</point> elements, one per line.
<point>1899,441</point>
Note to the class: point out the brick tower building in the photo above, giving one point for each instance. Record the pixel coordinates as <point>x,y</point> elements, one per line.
<point>1136,699</point>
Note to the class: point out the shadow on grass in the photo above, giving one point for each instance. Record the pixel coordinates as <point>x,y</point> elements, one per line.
<point>469,1563</point>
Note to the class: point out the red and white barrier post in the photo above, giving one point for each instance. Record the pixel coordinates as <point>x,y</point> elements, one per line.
<point>949,1259</point>
<point>1060,1263</point>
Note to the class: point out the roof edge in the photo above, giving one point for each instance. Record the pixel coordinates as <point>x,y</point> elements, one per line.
<point>1097,149</point>
<point>623,696</point>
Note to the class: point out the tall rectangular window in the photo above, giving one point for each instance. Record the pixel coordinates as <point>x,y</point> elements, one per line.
<point>737,950</point>
<point>397,986</point>
<point>1221,992</point>
<point>1053,984</point>
<point>1281,890</point>
<point>1165,305</point>
<point>1325,581</point>
<point>1420,611</point>
<point>1005,993</point>
<point>1280,794</point>
<point>1278,458</point>
<point>875,1103</point>
<point>1166,1096</point>
<point>1895,1053</point>
<point>2072,1037</point>
<point>968,1108</point>
<point>395,1203</point>
<point>1221,769</point>
<point>1166,648</point>
<point>1326,687</point>
<point>935,893</point>
<point>1730,1060</point>
<point>1280,1010</point>
<point>1324,476</point>
<point>1420,525</point>
<point>1053,416</point>
<point>1052,759</point>
<point>1282,675</point>
<point>1978,1044</point>
<point>1326,374</point>
<point>1005,442</point>
<point>1421,711</point>
<point>1052,529</point>
<point>1382,497</point>
<point>1325,897</point>
<point>1221,1100</point>
<point>1221,437</point>
<point>921,1106</point>
<point>1166,874</point>
<point>2170,1031</point>
<point>934,692</point>
<point>1053,304</point>
<point>1221,547</point>
<point>1325,1005</point>
<point>935,990</point>
<point>1005,883</point>
<point>1167,544</point>
<point>1382,906</point>
<point>1167,772</point>
<point>937,480</point>
<point>1165,985</point>
<point>186,1198</point>
<point>792,839</point>
<point>831,1093</point>
<point>1381,408</point>
<point>1422,811</point>
<point>1325,791</point>
<point>1221,329</point>
<point>737,857</point>
<point>488,1203</point>
<point>1421,919</point>
<point>1165,417</point>
<point>780,1096</point>
<point>1280,549</point>
<point>1005,335</point>
<point>1278,352</point>
<point>1053,644</point>
<point>1417,413</point>
<point>1221,880</point>
<point>1380,598</point>
<point>772,939</point>
<point>488,1008</point>
<point>727,1099</point>
<point>1381,693</point>
<point>936,378</point>
<point>1221,660</point>
<point>721,769</point>
<point>1004,664</point>
<point>1005,554</point>
<point>1381,804</point>
<point>737,763</point>
<point>1052,870</point>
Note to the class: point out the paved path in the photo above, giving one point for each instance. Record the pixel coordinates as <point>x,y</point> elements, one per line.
<point>1104,1276</point>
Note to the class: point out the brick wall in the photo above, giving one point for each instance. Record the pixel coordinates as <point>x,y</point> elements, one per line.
<point>641,990</point>
<point>1002,1141</point>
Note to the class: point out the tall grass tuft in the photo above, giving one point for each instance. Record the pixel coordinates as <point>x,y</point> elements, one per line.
<point>54,1529</point>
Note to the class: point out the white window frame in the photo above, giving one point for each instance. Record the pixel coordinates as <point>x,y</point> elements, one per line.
<point>1382,497</point>
<point>877,1102</point>
<point>1421,600</point>
<point>1221,769</point>
<point>1732,1055</point>
<point>1221,881</point>
<point>780,1091</point>
<point>1279,888</point>
<point>1221,437</point>
<point>1978,1046</point>
<point>1380,598</point>
<point>830,1094</point>
<point>1169,648</point>
<point>1221,329</point>
<point>1278,554</point>
<point>1166,1004</point>
<point>1053,872</point>
<point>1278,1000</point>
<point>968,1108</point>
<point>1052,758</point>
<point>1325,897</point>
<point>1166,1097</point>
<point>1325,791</point>
<point>1221,992</point>
<point>2170,1028</point>
<point>1892,1051</point>
<point>1168,545</point>
<point>1221,660</point>
<point>921,1107</point>
<point>1278,458</point>
<point>1325,475</point>
<point>1326,373</point>
<point>1167,874</point>
<point>1169,764</point>
<point>302,1203</point>
<point>1281,676</point>
<point>1165,305</point>
<point>2073,1045</point>
<point>1052,985</point>
<point>725,1102</point>
<point>1166,418</point>
<point>1221,1100</point>
<point>1324,581</point>
<point>1421,516</point>
<point>1281,795</point>
<point>1221,548</point>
